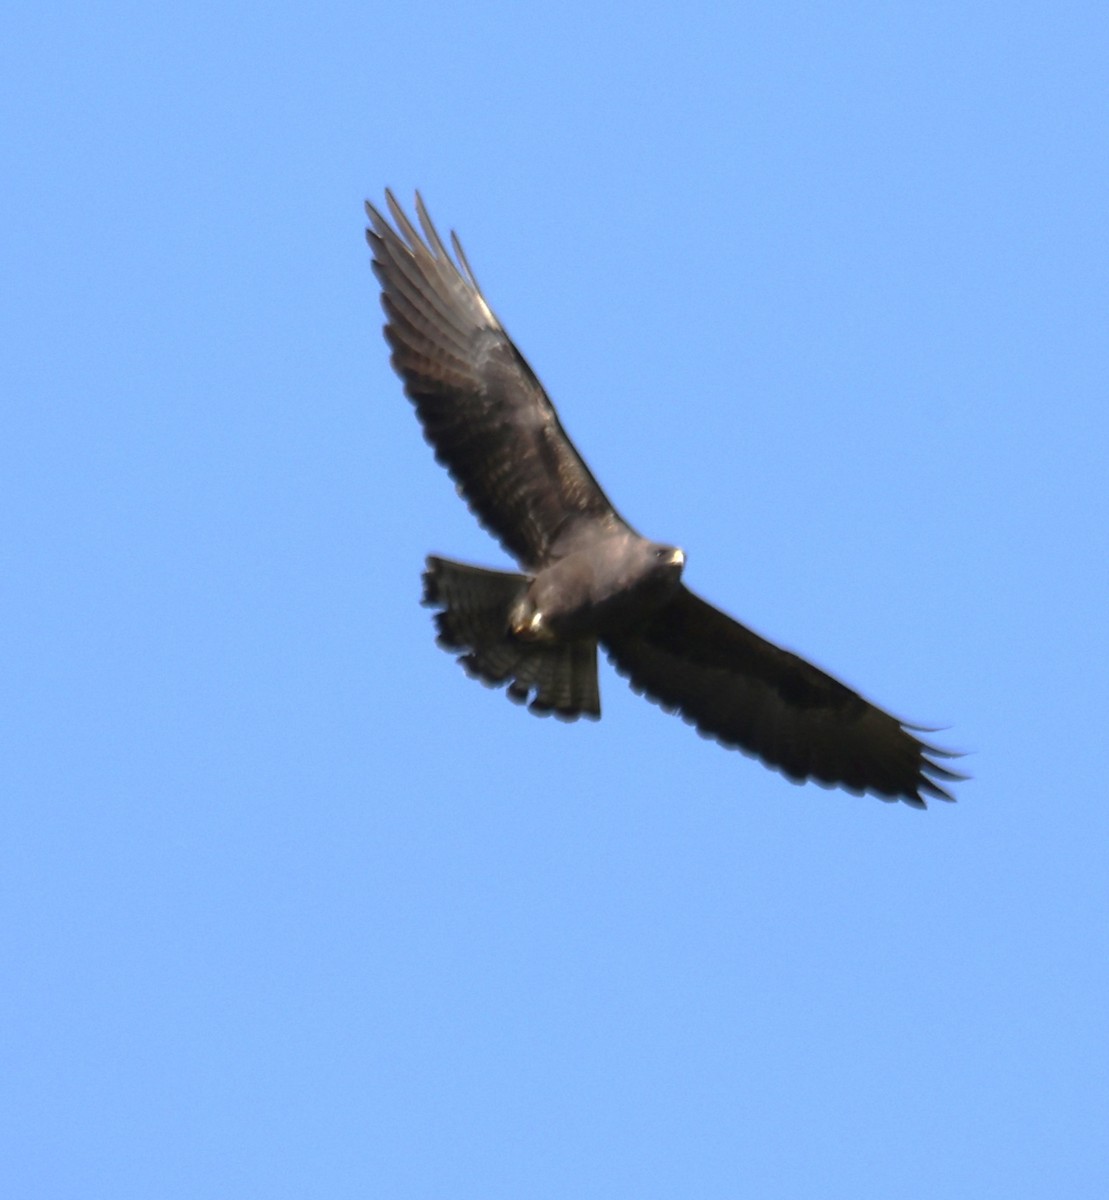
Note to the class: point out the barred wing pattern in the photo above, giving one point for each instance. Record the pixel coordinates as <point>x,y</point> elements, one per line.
<point>749,694</point>
<point>493,427</point>
<point>482,408</point>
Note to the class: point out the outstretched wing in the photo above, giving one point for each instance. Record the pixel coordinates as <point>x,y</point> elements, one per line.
<point>747,693</point>
<point>481,406</point>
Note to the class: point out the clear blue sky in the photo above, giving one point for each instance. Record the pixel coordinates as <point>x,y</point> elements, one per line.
<point>290,907</point>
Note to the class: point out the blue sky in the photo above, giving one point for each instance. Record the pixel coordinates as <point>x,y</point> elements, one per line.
<point>288,906</point>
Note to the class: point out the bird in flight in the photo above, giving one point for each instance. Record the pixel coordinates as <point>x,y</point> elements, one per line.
<point>587,578</point>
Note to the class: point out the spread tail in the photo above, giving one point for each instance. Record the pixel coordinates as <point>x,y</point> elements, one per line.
<point>559,677</point>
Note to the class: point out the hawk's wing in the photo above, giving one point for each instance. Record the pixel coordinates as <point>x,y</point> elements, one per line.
<point>481,406</point>
<point>747,693</point>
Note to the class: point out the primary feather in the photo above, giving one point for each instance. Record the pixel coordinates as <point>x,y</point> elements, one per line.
<point>590,578</point>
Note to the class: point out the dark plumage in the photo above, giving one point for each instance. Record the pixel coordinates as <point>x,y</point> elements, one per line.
<point>588,578</point>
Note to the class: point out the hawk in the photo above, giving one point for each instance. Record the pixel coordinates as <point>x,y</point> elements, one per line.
<point>587,578</point>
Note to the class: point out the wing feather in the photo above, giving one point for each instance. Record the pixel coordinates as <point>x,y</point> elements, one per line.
<point>749,694</point>
<point>486,415</point>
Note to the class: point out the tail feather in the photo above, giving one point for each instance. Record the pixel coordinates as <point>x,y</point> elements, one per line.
<point>557,677</point>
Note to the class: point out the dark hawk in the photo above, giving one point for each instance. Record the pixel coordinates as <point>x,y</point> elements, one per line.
<point>587,578</point>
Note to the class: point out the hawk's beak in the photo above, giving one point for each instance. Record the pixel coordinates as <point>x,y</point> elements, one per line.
<point>677,557</point>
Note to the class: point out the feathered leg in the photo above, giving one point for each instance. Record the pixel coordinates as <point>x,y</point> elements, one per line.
<point>558,677</point>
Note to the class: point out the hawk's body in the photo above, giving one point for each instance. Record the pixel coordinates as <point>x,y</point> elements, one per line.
<point>589,577</point>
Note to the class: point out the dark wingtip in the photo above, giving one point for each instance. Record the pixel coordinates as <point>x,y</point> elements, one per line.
<point>934,774</point>
<point>378,226</point>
